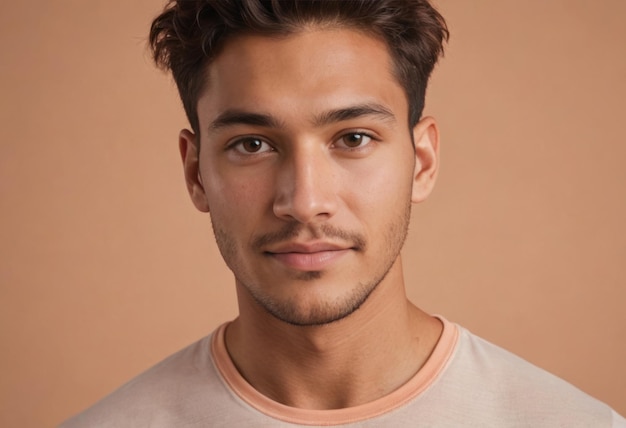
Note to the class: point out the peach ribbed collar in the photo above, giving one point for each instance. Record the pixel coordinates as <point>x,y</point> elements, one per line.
<point>416,385</point>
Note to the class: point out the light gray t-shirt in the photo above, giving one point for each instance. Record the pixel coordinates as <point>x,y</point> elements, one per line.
<point>466,382</point>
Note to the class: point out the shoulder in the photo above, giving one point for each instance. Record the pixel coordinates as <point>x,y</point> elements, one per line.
<point>164,395</point>
<point>504,385</point>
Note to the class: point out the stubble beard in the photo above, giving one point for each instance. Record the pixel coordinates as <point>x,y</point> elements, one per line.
<point>322,311</point>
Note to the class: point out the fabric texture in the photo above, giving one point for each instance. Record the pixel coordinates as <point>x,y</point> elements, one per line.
<point>466,382</point>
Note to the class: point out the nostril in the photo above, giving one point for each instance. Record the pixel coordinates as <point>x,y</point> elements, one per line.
<point>305,205</point>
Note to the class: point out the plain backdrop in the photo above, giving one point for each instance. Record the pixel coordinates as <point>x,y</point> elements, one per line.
<point>106,268</point>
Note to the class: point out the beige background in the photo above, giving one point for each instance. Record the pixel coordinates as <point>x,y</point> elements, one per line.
<point>105,267</point>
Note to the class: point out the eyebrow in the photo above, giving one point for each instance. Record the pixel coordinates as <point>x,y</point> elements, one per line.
<point>354,112</point>
<point>241,117</point>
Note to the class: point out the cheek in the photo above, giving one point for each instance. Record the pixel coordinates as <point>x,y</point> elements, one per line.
<point>381,185</point>
<point>237,202</point>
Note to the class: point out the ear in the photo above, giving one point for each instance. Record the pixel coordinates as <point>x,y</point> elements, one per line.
<point>426,140</point>
<point>189,152</point>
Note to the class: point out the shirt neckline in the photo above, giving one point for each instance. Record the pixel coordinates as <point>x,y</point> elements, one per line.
<point>412,388</point>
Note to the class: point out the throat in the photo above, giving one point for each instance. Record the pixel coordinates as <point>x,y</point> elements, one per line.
<point>331,367</point>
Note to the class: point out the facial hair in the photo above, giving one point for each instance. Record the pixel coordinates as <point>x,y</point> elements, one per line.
<point>323,311</point>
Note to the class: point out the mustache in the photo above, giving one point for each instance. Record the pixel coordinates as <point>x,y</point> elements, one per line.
<point>293,230</point>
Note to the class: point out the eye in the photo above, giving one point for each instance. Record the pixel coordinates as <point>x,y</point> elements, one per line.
<point>251,145</point>
<point>354,140</point>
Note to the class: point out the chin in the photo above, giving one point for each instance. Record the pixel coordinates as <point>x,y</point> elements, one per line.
<point>309,311</point>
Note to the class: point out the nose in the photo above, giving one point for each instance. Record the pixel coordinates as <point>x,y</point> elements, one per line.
<point>306,188</point>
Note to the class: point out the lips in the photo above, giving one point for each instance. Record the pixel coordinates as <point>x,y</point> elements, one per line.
<point>314,256</point>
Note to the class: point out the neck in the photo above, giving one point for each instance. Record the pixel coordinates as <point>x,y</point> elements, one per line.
<point>349,362</point>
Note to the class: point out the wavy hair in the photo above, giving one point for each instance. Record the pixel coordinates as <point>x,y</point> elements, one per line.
<point>189,34</point>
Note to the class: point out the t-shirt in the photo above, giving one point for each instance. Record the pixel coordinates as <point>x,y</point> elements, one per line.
<point>466,382</point>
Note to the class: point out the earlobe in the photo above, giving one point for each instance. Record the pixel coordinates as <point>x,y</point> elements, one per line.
<point>189,153</point>
<point>426,141</point>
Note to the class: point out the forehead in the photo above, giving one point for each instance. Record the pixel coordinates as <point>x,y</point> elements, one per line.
<point>310,70</point>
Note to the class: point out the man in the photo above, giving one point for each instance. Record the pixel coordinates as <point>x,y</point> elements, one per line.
<point>307,148</point>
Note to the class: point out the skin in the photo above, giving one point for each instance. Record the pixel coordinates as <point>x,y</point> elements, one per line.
<point>308,167</point>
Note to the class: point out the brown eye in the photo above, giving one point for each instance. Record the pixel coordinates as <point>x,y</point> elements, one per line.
<point>355,139</point>
<point>251,145</point>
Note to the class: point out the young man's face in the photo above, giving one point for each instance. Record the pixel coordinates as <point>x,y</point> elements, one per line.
<point>308,170</point>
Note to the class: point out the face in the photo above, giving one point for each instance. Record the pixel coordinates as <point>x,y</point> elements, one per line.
<point>307,167</point>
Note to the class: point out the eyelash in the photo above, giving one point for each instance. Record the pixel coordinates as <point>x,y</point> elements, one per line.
<point>239,141</point>
<point>357,132</point>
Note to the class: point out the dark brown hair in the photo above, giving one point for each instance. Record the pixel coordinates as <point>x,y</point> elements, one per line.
<point>188,35</point>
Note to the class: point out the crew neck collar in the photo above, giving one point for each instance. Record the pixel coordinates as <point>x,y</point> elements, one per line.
<point>412,388</point>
